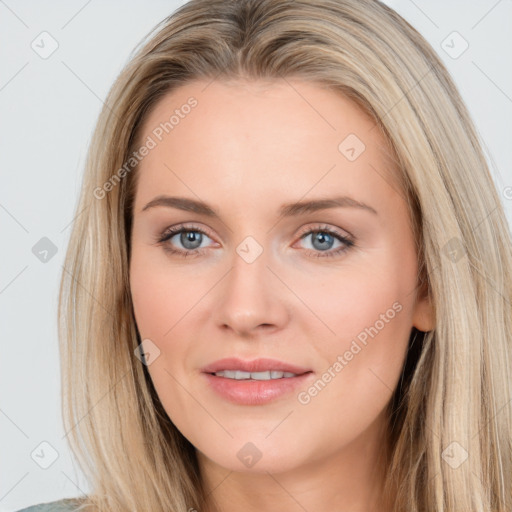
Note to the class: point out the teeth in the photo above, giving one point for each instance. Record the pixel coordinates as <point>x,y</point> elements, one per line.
<point>240,375</point>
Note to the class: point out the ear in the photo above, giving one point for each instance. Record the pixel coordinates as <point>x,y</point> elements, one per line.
<point>423,317</point>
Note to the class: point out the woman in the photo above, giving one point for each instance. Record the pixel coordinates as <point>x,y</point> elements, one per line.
<point>214,361</point>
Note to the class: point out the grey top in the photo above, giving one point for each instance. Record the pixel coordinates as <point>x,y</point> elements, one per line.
<point>65,505</point>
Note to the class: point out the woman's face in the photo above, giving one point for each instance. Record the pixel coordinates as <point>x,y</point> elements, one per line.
<point>330,290</point>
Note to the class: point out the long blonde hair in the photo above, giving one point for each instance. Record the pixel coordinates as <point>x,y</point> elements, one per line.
<point>451,425</point>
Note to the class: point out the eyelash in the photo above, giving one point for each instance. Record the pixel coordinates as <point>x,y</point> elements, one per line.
<point>169,233</point>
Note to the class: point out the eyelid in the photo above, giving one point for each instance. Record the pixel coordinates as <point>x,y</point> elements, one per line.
<point>324,227</point>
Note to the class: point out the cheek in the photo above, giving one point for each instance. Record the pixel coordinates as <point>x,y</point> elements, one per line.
<point>372,327</point>
<point>167,307</point>
<point>370,310</point>
<point>162,301</point>
<point>150,302</point>
<point>160,297</point>
<point>357,297</point>
<point>362,368</point>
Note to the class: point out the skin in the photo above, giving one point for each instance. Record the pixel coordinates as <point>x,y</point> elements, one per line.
<point>247,148</point>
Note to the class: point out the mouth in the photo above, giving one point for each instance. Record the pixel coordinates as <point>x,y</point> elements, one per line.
<point>254,382</point>
<point>256,388</point>
<point>267,375</point>
<point>256,368</point>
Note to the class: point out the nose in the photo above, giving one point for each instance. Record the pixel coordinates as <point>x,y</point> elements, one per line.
<point>251,298</point>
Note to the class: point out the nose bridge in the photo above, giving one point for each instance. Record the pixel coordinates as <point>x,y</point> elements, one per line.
<point>248,279</point>
<point>250,296</point>
<point>249,267</point>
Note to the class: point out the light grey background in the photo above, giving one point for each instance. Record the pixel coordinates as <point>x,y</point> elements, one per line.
<point>48,107</point>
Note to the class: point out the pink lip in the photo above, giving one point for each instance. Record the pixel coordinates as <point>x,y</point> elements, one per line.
<point>256,365</point>
<point>254,392</point>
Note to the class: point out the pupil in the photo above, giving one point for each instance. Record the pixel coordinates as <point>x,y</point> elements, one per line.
<point>322,237</point>
<point>189,236</point>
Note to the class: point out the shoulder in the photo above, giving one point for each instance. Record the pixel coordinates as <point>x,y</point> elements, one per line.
<point>64,505</point>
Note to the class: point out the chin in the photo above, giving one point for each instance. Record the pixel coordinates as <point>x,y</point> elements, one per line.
<point>263,456</point>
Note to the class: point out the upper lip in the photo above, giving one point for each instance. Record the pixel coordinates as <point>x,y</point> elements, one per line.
<point>255,365</point>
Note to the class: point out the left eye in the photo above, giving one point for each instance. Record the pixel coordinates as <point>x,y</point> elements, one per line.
<point>325,236</point>
<point>325,239</point>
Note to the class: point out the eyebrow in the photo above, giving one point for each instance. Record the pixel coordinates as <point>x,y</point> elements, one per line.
<point>286,210</point>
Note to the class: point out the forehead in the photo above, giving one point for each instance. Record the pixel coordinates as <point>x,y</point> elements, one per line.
<point>260,136</point>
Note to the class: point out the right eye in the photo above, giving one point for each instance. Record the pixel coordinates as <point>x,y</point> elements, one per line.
<point>188,236</point>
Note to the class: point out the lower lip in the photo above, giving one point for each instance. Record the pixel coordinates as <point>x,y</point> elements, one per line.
<point>255,392</point>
